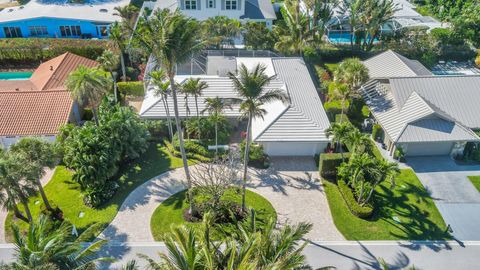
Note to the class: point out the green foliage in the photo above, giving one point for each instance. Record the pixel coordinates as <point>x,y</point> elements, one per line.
<point>135,89</point>
<point>329,162</point>
<point>219,31</point>
<point>342,118</point>
<point>95,152</point>
<point>334,107</point>
<point>475,181</point>
<point>204,128</point>
<point>356,209</point>
<point>176,153</point>
<point>365,111</point>
<point>36,50</point>
<point>156,128</point>
<point>191,146</point>
<point>377,132</point>
<point>257,157</point>
<point>258,37</point>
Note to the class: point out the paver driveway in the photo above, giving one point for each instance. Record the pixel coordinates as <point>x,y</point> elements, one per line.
<point>292,186</point>
<point>456,198</point>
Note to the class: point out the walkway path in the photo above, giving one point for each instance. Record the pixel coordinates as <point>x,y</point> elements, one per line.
<point>3,213</point>
<point>291,185</point>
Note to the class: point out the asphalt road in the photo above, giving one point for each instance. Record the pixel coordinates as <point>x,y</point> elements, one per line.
<point>342,255</point>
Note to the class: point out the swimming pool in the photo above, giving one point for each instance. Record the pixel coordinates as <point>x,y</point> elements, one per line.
<point>15,75</point>
<point>343,38</point>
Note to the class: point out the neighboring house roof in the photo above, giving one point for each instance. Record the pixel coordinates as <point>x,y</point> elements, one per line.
<point>41,104</point>
<point>33,112</point>
<point>414,119</point>
<point>391,64</point>
<point>259,10</point>
<point>302,119</point>
<point>102,12</point>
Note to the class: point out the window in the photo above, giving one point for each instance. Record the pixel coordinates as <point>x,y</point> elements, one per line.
<point>231,4</point>
<point>190,4</point>
<point>103,30</point>
<point>70,31</point>
<point>38,31</point>
<point>12,32</point>
<point>211,3</point>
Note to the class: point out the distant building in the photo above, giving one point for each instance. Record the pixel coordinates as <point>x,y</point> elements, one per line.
<point>39,19</point>
<point>243,10</point>
<point>40,105</point>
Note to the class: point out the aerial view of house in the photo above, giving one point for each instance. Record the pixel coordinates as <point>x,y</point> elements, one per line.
<point>40,105</point>
<point>57,19</point>
<point>239,134</point>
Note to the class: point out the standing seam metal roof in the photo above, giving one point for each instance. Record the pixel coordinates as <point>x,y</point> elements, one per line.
<point>391,64</point>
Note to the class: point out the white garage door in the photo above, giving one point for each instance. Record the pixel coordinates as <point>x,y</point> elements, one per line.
<point>293,148</point>
<point>429,149</point>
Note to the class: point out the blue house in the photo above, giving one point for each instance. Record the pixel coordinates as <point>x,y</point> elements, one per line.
<point>38,19</point>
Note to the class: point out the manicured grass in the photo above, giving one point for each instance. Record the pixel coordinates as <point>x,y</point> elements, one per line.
<point>409,201</point>
<point>331,67</point>
<point>65,193</point>
<point>475,181</point>
<point>170,212</point>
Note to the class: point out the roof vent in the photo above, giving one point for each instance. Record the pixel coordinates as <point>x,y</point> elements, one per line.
<point>17,89</point>
<point>51,68</point>
<point>21,7</point>
<point>104,10</point>
<point>10,10</point>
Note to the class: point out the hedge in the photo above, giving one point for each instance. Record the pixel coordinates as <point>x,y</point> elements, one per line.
<point>174,152</point>
<point>131,88</point>
<point>14,51</point>
<point>329,162</point>
<point>356,209</point>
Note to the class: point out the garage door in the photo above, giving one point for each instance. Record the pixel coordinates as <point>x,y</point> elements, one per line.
<point>429,149</point>
<point>293,148</point>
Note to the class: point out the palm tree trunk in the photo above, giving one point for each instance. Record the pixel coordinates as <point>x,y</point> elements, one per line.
<point>245,162</point>
<point>216,138</point>
<point>27,210</point>
<point>122,62</point>
<point>369,194</point>
<point>343,106</point>
<point>182,146</point>
<point>198,117</point>
<point>95,116</point>
<point>16,211</point>
<point>169,119</point>
<point>114,87</point>
<point>42,194</point>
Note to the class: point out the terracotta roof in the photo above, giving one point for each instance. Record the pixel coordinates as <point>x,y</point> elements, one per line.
<point>52,74</point>
<point>16,85</point>
<point>33,112</point>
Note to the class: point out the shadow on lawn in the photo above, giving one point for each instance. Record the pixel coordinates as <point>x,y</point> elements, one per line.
<point>415,223</point>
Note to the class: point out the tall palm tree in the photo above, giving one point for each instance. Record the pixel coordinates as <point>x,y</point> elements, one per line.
<point>361,164</point>
<point>159,79</point>
<point>220,30</point>
<point>171,38</point>
<point>88,86</point>
<point>194,87</point>
<point>340,132</point>
<point>128,14</point>
<point>215,107</point>
<point>39,154</point>
<point>321,12</point>
<point>109,61</point>
<point>352,72</point>
<point>376,14</point>
<point>341,91</point>
<point>46,244</point>
<point>250,86</point>
<point>117,36</point>
<point>352,9</point>
<point>294,32</point>
<point>385,171</point>
<point>358,140</point>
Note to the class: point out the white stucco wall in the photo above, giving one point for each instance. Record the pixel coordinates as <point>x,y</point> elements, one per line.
<point>205,12</point>
<point>293,148</point>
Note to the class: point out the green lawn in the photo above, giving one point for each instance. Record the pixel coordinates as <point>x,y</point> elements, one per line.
<point>170,212</point>
<point>409,201</point>
<point>475,181</point>
<point>65,193</point>
<point>331,67</point>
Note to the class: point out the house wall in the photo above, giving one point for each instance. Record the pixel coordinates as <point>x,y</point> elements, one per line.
<point>7,141</point>
<point>293,148</point>
<point>427,148</point>
<point>53,27</point>
<point>204,12</point>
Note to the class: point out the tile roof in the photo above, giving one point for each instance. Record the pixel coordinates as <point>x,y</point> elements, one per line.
<point>33,112</point>
<point>16,85</point>
<point>391,64</point>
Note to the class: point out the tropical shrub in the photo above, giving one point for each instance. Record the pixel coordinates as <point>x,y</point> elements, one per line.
<point>204,129</point>
<point>356,209</point>
<point>377,132</point>
<point>156,128</point>
<point>191,146</point>
<point>257,158</point>
<point>174,152</point>
<point>135,89</point>
<point>329,162</point>
<point>333,108</point>
<point>258,37</point>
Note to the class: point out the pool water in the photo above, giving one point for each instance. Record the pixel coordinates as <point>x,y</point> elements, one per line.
<point>343,38</point>
<point>15,75</point>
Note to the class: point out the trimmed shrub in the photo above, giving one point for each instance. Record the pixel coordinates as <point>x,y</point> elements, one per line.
<point>333,108</point>
<point>365,111</point>
<point>176,153</point>
<point>377,132</point>
<point>257,158</point>
<point>329,162</point>
<point>356,209</point>
<point>131,88</point>
<point>344,118</point>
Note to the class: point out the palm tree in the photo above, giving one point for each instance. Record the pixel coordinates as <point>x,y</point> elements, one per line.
<point>88,86</point>
<point>352,72</point>
<point>321,12</point>
<point>340,132</point>
<point>46,246</point>
<point>117,36</point>
<point>39,154</point>
<point>194,87</point>
<point>357,139</point>
<point>109,62</point>
<point>361,164</point>
<point>376,14</point>
<point>159,79</point>
<point>385,171</point>
<point>220,30</point>
<point>215,107</point>
<point>250,86</point>
<point>128,14</point>
<point>352,9</point>
<point>294,32</point>
<point>172,39</point>
<point>341,91</point>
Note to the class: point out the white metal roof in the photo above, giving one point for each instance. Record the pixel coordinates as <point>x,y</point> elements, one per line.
<point>98,12</point>
<point>391,64</point>
<point>303,119</point>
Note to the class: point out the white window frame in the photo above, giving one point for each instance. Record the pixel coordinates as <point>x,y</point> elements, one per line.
<point>190,4</point>
<point>211,3</point>
<point>231,4</point>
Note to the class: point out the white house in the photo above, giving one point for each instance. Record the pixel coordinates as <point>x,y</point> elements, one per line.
<point>297,128</point>
<point>243,10</point>
<point>421,113</point>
